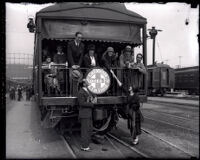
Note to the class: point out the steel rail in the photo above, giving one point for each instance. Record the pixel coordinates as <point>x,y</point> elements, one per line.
<point>174,115</point>
<point>68,147</point>
<point>165,122</point>
<point>158,137</point>
<point>175,104</point>
<point>129,146</point>
<point>116,148</point>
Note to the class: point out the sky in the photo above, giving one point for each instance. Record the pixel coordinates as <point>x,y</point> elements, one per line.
<point>176,44</point>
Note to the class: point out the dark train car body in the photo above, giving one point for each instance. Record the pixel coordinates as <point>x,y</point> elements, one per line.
<point>161,78</point>
<point>103,24</point>
<point>187,79</point>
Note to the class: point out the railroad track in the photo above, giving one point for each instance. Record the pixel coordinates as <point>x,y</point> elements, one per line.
<point>171,144</point>
<point>171,114</point>
<point>183,121</point>
<point>175,104</point>
<point>68,146</point>
<point>112,147</point>
<point>171,124</point>
<point>127,145</point>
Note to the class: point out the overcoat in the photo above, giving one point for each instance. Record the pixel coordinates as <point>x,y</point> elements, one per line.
<point>75,53</point>
<point>85,110</point>
<point>87,61</point>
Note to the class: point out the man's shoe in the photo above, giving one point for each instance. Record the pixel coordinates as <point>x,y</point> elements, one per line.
<point>87,149</point>
<point>135,141</point>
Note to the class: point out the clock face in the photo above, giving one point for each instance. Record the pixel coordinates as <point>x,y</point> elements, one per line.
<point>99,81</point>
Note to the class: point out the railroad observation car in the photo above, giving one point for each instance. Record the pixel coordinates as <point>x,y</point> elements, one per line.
<point>187,79</point>
<point>104,25</point>
<point>161,78</point>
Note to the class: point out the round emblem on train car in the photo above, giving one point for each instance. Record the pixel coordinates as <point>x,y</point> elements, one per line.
<point>99,80</point>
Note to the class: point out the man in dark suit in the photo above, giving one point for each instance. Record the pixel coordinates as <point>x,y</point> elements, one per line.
<point>86,102</point>
<point>90,59</point>
<point>75,51</point>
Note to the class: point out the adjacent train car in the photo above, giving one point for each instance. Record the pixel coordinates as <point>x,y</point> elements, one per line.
<point>103,24</point>
<point>187,79</point>
<point>161,78</point>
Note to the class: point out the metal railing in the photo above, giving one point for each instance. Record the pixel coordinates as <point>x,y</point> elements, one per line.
<point>69,87</point>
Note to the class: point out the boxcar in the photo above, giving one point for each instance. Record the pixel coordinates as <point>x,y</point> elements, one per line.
<point>161,78</point>
<point>187,79</point>
<point>103,24</point>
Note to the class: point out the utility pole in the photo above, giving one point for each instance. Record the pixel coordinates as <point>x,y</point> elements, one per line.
<point>180,61</point>
<point>153,32</point>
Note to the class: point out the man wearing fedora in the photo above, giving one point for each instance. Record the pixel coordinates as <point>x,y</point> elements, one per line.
<point>90,59</point>
<point>86,102</point>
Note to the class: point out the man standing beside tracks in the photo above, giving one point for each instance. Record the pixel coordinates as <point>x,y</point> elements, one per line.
<point>19,92</point>
<point>86,102</point>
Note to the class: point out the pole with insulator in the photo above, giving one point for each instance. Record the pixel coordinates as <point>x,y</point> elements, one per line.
<point>153,32</point>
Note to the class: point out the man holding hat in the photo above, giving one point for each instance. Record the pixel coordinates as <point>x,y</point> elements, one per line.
<point>86,102</point>
<point>75,51</point>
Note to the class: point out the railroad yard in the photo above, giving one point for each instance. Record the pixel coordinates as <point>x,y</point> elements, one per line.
<point>170,130</point>
<point>84,82</point>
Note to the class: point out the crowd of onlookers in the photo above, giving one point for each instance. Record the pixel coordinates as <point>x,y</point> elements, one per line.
<point>17,93</point>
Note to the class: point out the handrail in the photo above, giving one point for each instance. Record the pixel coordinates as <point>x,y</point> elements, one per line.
<point>69,87</point>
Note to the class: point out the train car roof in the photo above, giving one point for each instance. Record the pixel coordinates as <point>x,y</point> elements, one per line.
<point>187,68</point>
<point>158,65</point>
<point>111,11</point>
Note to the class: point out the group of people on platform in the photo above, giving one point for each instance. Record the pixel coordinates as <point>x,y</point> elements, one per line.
<point>19,92</point>
<point>75,59</point>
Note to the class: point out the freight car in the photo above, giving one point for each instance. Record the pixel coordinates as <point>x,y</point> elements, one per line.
<point>187,79</point>
<point>161,78</point>
<point>103,24</point>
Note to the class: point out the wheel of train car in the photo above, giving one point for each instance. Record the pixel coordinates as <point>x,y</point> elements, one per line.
<point>104,126</point>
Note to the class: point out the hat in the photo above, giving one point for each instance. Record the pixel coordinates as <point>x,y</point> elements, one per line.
<point>127,49</point>
<point>139,54</point>
<point>76,74</point>
<point>110,49</point>
<point>91,47</point>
